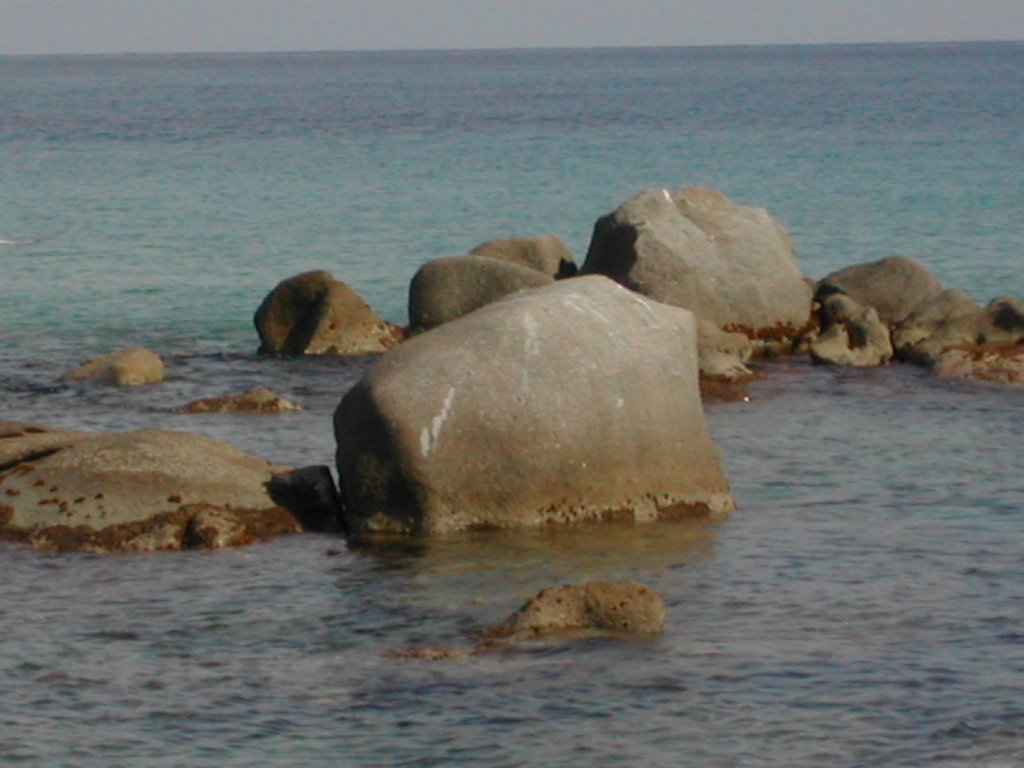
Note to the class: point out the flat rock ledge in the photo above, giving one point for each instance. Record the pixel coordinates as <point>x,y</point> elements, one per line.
<point>148,490</point>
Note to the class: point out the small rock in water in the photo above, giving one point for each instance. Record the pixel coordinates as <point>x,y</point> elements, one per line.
<point>256,400</point>
<point>124,368</point>
<point>616,607</point>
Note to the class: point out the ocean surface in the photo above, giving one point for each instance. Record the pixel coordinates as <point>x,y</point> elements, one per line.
<point>863,607</point>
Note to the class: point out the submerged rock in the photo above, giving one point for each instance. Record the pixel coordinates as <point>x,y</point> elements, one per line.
<point>135,491</point>
<point>256,400</point>
<point>314,314</point>
<point>894,286</point>
<point>124,368</point>
<point>450,287</point>
<point>544,253</point>
<point>577,401</point>
<point>619,607</point>
<point>694,248</point>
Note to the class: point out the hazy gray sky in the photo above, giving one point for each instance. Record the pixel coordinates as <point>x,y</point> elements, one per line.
<point>103,26</point>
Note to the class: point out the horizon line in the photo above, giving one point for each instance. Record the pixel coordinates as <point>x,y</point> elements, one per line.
<point>507,49</point>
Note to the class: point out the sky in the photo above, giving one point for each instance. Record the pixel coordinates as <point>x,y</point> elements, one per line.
<point>150,26</point>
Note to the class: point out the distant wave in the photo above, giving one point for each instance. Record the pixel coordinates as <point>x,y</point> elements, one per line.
<point>8,241</point>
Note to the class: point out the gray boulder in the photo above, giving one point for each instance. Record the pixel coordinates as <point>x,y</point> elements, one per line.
<point>695,248</point>
<point>722,356</point>
<point>576,401</point>
<point>314,314</point>
<point>544,253</point>
<point>124,368</point>
<point>895,286</point>
<point>450,287</point>
<point>620,607</point>
<point>851,334</point>
<point>134,491</point>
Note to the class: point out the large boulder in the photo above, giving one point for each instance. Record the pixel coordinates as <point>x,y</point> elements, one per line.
<point>134,491</point>
<point>895,286</point>
<point>450,287</point>
<point>695,248</point>
<point>124,368</point>
<point>576,401</point>
<point>545,253</point>
<point>851,334</point>
<point>619,607</point>
<point>314,314</point>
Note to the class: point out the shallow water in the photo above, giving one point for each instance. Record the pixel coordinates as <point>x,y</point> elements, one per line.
<point>863,607</point>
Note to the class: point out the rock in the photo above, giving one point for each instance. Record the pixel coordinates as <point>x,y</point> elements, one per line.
<point>310,493</point>
<point>998,363</point>
<point>851,334</point>
<point>722,356</point>
<point>124,368</point>
<point>137,491</point>
<point>256,400</point>
<point>545,253</point>
<point>952,319</point>
<point>617,606</point>
<point>694,248</point>
<point>314,314</point>
<point>450,287</point>
<point>895,286</point>
<point>576,401</point>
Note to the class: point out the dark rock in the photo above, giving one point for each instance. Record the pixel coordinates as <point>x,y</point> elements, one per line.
<point>314,314</point>
<point>545,253</point>
<point>447,288</point>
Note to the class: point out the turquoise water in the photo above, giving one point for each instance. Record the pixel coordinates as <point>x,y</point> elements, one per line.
<point>862,607</point>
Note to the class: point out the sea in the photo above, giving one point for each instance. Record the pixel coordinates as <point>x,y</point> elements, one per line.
<point>863,607</point>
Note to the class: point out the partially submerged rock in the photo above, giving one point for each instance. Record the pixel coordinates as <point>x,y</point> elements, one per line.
<point>895,286</point>
<point>544,253</point>
<point>998,363</point>
<point>448,288</point>
<point>695,248</point>
<point>577,401</point>
<point>851,334</point>
<point>136,491</point>
<point>952,319</point>
<point>124,368</point>
<point>620,607</point>
<point>255,400</point>
<point>315,314</point>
